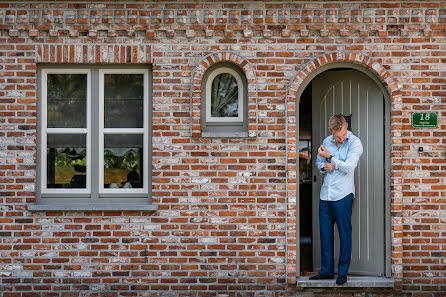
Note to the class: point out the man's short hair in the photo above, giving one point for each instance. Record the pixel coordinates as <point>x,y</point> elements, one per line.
<point>336,122</point>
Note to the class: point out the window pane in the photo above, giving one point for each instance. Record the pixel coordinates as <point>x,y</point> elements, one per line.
<point>123,100</point>
<point>66,100</point>
<point>66,161</point>
<point>224,96</point>
<point>123,161</point>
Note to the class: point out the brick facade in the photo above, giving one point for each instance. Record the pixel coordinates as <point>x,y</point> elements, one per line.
<point>226,218</point>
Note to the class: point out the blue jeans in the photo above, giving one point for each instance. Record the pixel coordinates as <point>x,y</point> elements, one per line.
<point>339,212</point>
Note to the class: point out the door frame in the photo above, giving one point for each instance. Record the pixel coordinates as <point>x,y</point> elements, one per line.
<point>387,159</point>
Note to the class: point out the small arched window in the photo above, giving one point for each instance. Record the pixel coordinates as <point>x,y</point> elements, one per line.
<point>224,94</point>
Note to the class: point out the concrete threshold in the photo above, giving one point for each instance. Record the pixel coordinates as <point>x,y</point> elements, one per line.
<point>352,282</point>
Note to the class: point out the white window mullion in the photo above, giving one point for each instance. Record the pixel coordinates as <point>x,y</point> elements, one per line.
<point>43,144</point>
<point>101,131</point>
<point>89,171</point>
<point>146,132</point>
<point>123,130</point>
<point>67,130</point>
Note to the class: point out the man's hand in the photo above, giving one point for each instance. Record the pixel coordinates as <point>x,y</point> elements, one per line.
<point>329,167</point>
<point>322,151</point>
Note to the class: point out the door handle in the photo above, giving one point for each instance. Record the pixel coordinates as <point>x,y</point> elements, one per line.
<point>314,178</point>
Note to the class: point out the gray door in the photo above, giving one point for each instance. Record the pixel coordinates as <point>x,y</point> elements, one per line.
<point>351,92</point>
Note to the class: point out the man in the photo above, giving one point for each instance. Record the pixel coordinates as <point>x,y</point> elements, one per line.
<point>337,157</point>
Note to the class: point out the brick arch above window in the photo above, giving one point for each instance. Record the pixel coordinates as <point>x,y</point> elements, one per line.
<point>196,89</point>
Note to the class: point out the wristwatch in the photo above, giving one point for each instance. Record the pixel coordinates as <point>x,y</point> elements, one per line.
<point>329,159</point>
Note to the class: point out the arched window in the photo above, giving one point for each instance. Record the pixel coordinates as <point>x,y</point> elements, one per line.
<point>224,102</point>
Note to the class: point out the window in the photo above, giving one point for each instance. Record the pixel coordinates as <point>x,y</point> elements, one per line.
<point>95,138</point>
<point>224,102</point>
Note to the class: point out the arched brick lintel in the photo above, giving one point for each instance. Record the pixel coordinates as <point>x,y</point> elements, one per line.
<point>197,76</point>
<point>343,57</point>
<point>295,89</point>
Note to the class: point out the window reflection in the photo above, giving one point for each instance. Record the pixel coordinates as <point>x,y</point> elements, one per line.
<point>224,96</point>
<point>67,97</point>
<point>123,161</point>
<point>123,100</point>
<point>66,161</point>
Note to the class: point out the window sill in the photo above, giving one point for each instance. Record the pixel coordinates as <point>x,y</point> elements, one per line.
<point>352,282</point>
<point>93,207</point>
<point>225,134</point>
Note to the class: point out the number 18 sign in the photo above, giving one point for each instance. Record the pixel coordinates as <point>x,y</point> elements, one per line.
<point>424,120</point>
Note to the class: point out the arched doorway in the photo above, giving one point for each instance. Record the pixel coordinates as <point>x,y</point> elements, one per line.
<point>356,93</point>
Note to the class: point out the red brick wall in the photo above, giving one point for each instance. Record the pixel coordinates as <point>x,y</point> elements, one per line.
<point>226,218</point>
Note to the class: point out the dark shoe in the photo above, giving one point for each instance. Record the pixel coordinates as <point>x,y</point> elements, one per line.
<point>342,279</point>
<point>321,276</point>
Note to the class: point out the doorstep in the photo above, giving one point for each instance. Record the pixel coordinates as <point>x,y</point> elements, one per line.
<point>352,282</point>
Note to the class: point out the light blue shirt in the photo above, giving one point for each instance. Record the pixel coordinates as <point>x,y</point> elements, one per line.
<point>340,182</point>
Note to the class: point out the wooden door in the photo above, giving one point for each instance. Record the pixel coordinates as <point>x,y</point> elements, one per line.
<point>351,92</point>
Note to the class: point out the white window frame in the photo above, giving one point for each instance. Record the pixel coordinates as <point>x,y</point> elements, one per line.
<point>45,131</point>
<point>144,131</point>
<point>241,91</point>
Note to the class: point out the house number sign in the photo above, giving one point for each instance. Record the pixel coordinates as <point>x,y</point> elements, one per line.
<point>424,120</point>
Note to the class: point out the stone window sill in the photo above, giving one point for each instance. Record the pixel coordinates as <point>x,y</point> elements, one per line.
<point>224,134</point>
<point>93,207</point>
<point>352,282</point>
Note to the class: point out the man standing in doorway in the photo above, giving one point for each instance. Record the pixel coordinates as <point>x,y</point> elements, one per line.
<point>337,157</point>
